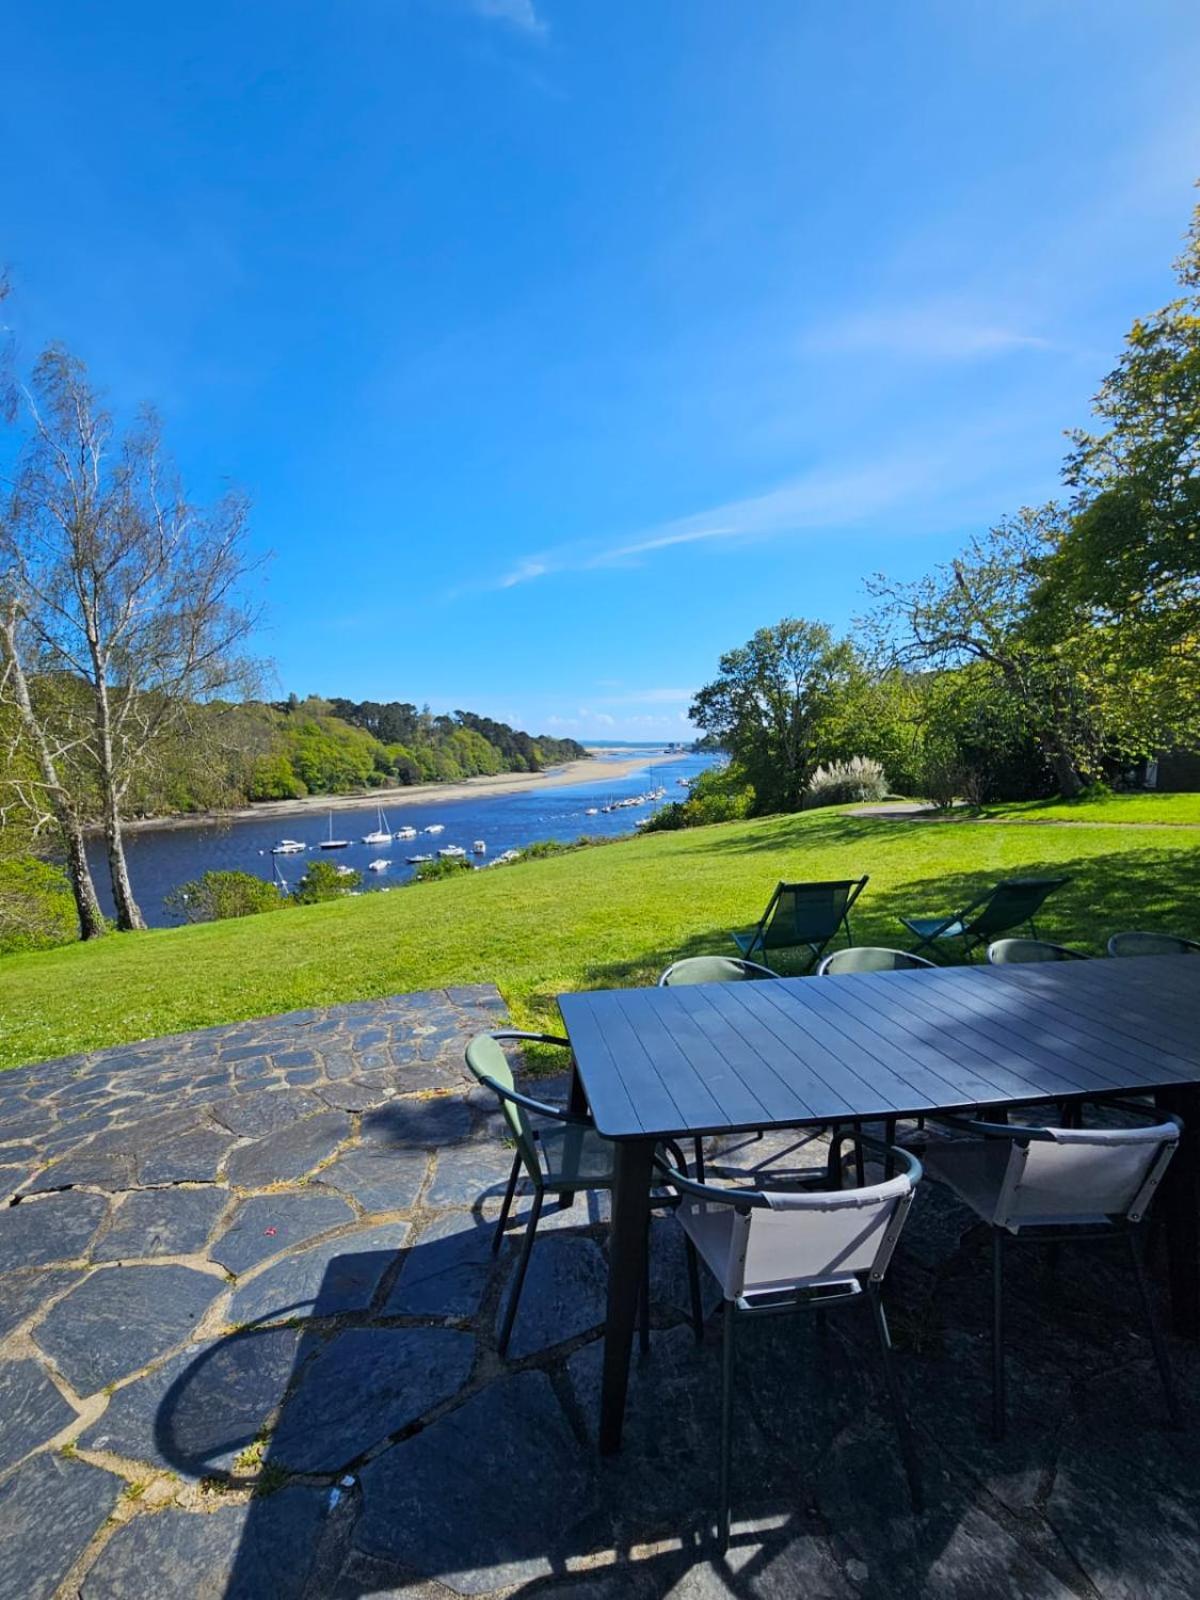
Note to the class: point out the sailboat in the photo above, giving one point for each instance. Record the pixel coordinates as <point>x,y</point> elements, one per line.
<point>382,833</point>
<point>331,843</point>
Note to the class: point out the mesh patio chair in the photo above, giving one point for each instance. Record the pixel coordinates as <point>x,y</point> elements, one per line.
<point>1050,1185</point>
<point>560,1151</point>
<point>1011,904</point>
<point>711,969</point>
<point>1005,952</point>
<point>803,916</point>
<point>774,1251</point>
<point>873,958</point>
<point>1151,944</point>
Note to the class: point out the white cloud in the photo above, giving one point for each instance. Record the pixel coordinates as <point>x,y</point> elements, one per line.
<point>936,331</point>
<point>519,14</point>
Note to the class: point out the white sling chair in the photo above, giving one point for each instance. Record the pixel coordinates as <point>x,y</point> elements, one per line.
<point>775,1251</point>
<point>1054,1184</point>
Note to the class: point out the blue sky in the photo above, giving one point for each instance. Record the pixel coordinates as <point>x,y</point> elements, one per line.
<point>562,343</point>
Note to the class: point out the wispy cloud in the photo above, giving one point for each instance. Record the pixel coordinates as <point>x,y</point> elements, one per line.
<point>823,498</point>
<point>936,331</point>
<point>519,14</point>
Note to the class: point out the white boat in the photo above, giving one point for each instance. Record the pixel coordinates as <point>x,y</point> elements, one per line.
<point>331,843</point>
<point>414,861</point>
<point>592,811</point>
<point>288,847</point>
<point>344,872</point>
<point>380,865</point>
<point>382,834</point>
<point>405,833</point>
<point>452,852</point>
<point>480,847</point>
<point>436,827</point>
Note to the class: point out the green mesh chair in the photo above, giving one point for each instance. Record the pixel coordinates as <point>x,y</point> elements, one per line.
<point>870,958</point>
<point>1151,944</point>
<point>1011,904</point>
<point>1006,952</point>
<point>560,1151</point>
<point>803,916</point>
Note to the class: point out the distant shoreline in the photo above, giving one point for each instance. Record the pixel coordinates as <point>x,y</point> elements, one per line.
<point>573,772</point>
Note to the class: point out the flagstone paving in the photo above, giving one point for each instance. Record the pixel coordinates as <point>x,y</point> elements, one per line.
<point>248,1311</point>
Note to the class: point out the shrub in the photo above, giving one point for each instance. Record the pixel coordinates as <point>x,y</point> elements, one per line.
<point>217,895</point>
<point>840,782</point>
<point>720,795</point>
<point>323,880</point>
<point>37,909</point>
<point>443,867</point>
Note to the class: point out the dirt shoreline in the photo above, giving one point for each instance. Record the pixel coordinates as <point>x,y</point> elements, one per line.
<point>573,772</point>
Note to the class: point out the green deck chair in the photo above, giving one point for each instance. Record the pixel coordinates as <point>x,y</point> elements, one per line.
<point>1011,904</point>
<point>803,916</point>
<point>1006,952</point>
<point>1151,944</point>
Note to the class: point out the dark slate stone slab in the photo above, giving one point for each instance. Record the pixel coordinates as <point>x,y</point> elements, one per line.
<point>324,1280</point>
<point>162,1222</point>
<point>380,1180</point>
<point>265,1111</point>
<point>147,1133</point>
<point>367,1384</point>
<point>121,1318</point>
<point>22,1293</point>
<point>49,1510</point>
<point>417,1510</point>
<point>445,1270</point>
<point>262,1551</point>
<point>565,1293</point>
<point>290,1152</point>
<point>351,1094</point>
<point>196,1413</point>
<point>400,1124</point>
<point>82,1168</point>
<point>268,1223</point>
<point>466,1175</point>
<point>58,1228</point>
<point>11,1179</point>
<point>31,1410</point>
<point>194,1157</point>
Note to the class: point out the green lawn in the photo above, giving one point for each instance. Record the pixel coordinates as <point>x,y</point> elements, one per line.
<point>606,916</point>
<point>1153,808</point>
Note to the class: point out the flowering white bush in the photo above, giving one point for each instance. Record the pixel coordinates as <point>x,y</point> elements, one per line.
<point>860,778</point>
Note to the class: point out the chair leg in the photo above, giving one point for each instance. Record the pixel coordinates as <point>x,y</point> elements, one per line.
<point>693,1272</point>
<point>903,1430</point>
<point>502,1220</point>
<point>726,1426</point>
<point>518,1283</point>
<point>1161,1354</point>
<point>644,1320</point>
<point>999,1409</point>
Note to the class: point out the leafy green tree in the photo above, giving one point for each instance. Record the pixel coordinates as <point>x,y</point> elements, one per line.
<point>216,895</point>
<point>767,702</point>
<point>323,880</point>
<point>37,908</point>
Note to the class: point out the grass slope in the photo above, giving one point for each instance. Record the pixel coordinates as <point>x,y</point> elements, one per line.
<point>608,916</point>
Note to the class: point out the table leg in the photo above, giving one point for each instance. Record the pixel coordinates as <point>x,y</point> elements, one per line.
<point>1180,1200</point>
<point>578,1107</point>
<point>626,1251</point>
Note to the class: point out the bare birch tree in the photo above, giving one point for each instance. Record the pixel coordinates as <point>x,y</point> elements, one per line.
<point>120,585</point>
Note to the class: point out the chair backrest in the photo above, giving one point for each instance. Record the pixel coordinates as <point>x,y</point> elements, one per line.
<point>808,913</point>
<point>795,1239</point>
<point>1011,903</point>
<point>869,958</point>
<point>1151,944</point>
<point>486,1059</point>
<point>1005,951</point>
<point>712,969</point>
<point>1065,1175</point>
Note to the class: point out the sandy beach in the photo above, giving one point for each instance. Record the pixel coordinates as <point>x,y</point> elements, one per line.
<point>573,772</point>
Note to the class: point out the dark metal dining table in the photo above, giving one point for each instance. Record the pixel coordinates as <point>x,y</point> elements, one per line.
<point>713,1059</point>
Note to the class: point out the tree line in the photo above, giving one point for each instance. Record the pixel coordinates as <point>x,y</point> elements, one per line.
<point>1056,651</point>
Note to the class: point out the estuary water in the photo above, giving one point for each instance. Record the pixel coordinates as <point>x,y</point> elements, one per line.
<point>161,859</point>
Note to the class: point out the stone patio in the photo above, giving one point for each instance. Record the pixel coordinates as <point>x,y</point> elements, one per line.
<point>247,1349</point>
